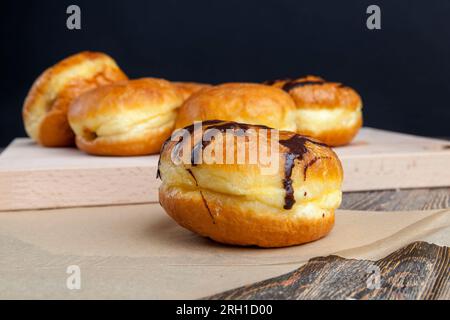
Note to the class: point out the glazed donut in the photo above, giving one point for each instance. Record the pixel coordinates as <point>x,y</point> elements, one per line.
<point>327,111</point>
<point>241,102</point>
<point>187,89</point>
<point>127,118</point>
<point>239,203</point>
<point>45,107</point>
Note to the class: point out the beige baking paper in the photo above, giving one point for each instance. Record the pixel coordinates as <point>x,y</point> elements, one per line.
<point>138,252</point>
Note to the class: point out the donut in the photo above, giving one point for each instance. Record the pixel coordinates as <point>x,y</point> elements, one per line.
<point>240,102</point>
<point>241,202</point>
<point>187,89</point>
<point>45,107</point>
<point>127,118</point>
<point>327,111</point>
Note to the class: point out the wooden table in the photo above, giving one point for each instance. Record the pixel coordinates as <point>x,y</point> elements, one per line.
<point>398,200</point>
<point>331,277</point>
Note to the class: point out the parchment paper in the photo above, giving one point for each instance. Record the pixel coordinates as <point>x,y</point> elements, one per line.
<point>138,252</point>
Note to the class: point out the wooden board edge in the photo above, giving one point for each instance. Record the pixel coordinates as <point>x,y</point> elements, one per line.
<point>77,188</point>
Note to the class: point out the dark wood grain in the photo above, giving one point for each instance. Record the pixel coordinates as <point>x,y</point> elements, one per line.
<point>417,271</point>
<point>398,200</point>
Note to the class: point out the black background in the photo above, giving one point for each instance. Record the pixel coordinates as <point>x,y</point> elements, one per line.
<point>401,71</point>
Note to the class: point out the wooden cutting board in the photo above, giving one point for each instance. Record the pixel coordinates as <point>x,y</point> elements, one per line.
<point>32,177</point>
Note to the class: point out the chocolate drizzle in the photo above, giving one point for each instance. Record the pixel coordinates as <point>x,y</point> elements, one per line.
<point>191,127</point>
<point>195,154</point>
<point>296,150</point>
<point>238,129</point>
<point>272,82</point>
<point>203,197</point>
<point>309,164</point>
<point>158,172</point>
<point>296,146</point>
<point>288,86</point>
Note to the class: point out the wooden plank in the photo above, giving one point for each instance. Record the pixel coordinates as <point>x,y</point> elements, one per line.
<point>380,160</point>
<point>419,271</point>
<point>397,200</point>
<point>32,177</point>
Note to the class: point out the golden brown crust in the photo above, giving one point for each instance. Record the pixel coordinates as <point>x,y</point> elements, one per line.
<point>241,102</point>
<point>187,89</point>
<point>45,107</point>
<point>327,111</point>
<point>240,226</point>
<point>314,92</point>
<point>239,203</point>
<point>126,118</point>
<point>148,143</point>
<point>332,135</point>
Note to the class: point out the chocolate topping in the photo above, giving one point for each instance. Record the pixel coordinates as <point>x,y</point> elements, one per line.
<point>238,129</point>
<point>288,86</point>
<point>203,197</point>
<point>158,172</point>
<point>272,82</point>
<point>310,163</point>
<point>296,150</point>
<point>296,146</point>
<point>191,127</point>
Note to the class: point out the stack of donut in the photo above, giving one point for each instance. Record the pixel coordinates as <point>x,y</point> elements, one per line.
<point>86,100</point>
